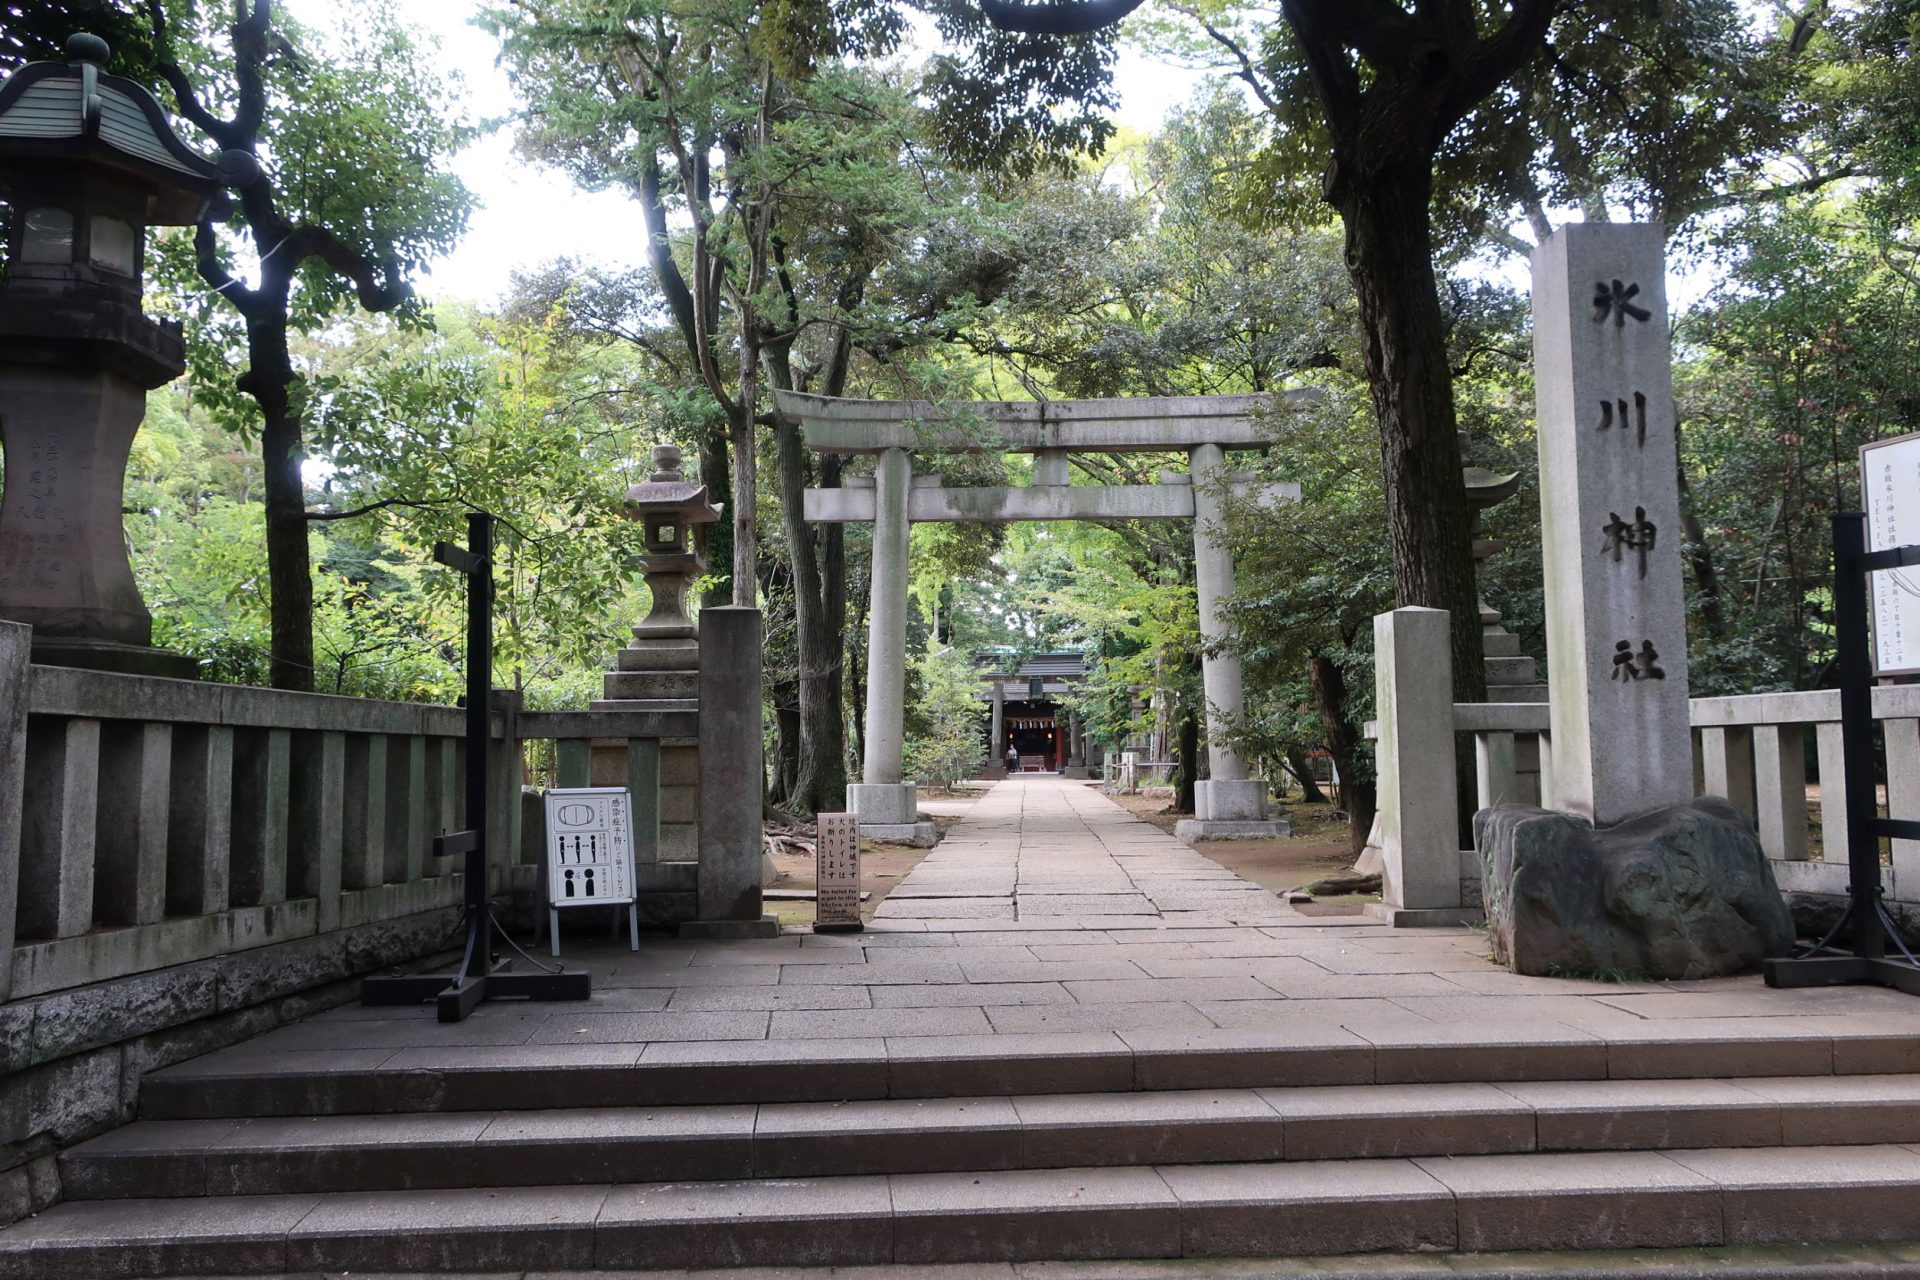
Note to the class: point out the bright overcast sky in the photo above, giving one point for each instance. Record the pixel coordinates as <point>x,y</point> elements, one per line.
<point>524,218</point>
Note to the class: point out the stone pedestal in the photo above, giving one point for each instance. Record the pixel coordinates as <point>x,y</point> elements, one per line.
<point>1230,809</point>
<point>63,549</point>
<point>890,811</point>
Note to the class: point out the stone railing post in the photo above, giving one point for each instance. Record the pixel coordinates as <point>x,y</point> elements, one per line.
<point>16,676</point>
<point>732,778</point>
<point>200,820</point>
<point>1419,828</point>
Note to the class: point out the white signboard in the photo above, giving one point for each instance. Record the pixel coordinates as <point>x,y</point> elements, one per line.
<point>589,853</point>
<point>1890,483</point>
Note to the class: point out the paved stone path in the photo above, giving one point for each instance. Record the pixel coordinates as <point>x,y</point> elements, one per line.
<point>1050,914</point>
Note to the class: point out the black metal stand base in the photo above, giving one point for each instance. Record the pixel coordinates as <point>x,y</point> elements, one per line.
<point>457,997</point>
<point>1839,968</point>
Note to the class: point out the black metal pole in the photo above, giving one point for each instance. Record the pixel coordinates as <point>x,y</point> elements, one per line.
<point>1856,735</point>
<point>478,961</point>
<point>1864,957</point>
<point>477,978</point>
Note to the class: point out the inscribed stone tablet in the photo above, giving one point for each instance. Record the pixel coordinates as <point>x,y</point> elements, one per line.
<point>837,874</point>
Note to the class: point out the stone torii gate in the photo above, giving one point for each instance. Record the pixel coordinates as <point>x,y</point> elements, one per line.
<point>1229,805</point>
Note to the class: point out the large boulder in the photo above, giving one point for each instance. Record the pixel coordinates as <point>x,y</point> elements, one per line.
<point>1682,892</point>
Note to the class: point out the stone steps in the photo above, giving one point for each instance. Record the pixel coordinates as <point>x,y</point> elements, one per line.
<point>327,1154</point>
<point>1650,1200</point>
<point>482,1077</point>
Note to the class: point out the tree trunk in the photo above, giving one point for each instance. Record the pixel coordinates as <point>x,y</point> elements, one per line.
<point>820,780</point>
<point>1357,797</point>
<point>1390,259</point>
<point>1189,768</point>
<point>746,477</point>
<point>269,380</point>
<point>717,549</point>
<point>1706,575</point>
<point>1302,771</point>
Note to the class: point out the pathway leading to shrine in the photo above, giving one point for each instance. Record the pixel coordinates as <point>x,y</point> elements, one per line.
<point>1066,1036</point>
<point>1051,916</point>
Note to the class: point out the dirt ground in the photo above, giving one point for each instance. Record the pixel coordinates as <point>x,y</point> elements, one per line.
<point>1317,847</point>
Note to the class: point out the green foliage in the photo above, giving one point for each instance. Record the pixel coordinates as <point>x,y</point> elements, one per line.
<point>359,128</point>
<point>946,745</point>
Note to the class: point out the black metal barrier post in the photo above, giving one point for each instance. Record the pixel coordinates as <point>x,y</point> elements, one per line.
<point>479,977</point>
<point>1867,925</point>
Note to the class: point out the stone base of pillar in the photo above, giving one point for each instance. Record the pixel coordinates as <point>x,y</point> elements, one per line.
<point>884,803</point>
<point>921,835</point>
<point>1075,772</point>
<point>764,927</point>
<point>1426,917</point>
<point>1230,809</point>
<point>1237,800</point>
<point>1192,829</point>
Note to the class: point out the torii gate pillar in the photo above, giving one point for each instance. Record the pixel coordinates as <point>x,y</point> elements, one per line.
<point>1228,805</point>
<point>888,806</point>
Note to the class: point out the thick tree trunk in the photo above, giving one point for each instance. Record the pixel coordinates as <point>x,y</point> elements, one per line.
<point>820,778</point>
<point>1357,797</point>
<point>269,380</point>
<point>1390,258</point>
<point>1302,771</point>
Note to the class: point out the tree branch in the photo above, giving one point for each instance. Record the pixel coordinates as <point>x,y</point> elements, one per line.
<point>374,295</point>
<point>417,505</point>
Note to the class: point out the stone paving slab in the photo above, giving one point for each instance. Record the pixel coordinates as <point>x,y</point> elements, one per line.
<point>1091,930</point>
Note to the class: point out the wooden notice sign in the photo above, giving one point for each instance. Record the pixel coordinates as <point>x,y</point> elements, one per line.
<point>837,874</point>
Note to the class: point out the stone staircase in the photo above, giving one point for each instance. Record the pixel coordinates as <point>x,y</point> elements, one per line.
<point>1006,1148</point>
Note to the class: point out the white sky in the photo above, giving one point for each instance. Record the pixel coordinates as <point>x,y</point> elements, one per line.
<point>528,214</point>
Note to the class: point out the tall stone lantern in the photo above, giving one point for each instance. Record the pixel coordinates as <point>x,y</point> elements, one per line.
<point>663,662</point>
<point>660,669</point>
<point>88,162</point>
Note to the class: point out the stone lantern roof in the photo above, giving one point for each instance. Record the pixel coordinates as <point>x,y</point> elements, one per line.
<point>55,115</point>
<point>666,492</point>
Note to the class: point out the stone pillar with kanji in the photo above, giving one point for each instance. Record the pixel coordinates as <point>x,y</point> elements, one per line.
<point>1610,523</point>
<point>1624,871</point>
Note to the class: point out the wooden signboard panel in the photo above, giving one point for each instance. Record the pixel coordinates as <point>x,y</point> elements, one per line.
<point>837,874</point>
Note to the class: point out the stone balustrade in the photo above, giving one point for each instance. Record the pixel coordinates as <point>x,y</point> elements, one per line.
<point>1752,749</point>
<point>185,864</point>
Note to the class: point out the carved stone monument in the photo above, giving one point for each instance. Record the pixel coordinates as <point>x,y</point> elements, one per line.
<point>1610,524</point>
<point>1616,657</point>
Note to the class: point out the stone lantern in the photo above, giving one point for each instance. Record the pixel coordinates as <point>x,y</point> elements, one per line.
<point>669,509</point>
<point>88,162</point>
<point>660,669</point>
